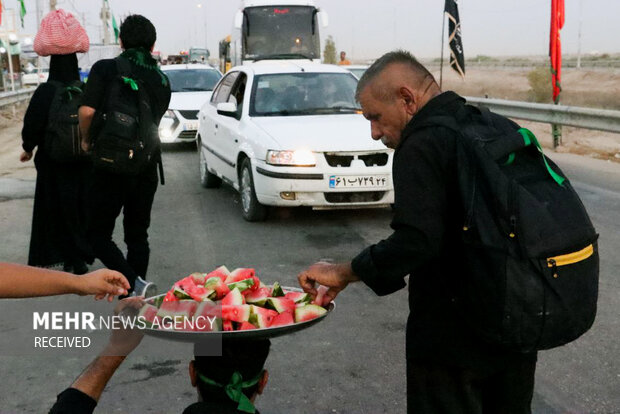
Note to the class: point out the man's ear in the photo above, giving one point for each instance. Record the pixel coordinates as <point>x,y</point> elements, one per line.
<point>193,377</point>
<point>409,99</point>
<point>262,382</point>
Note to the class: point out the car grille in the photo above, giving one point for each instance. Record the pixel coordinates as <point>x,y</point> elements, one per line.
<point>354,197</point>
<point>189,134</point>
<point>189,114</point>
<point>378,159</point>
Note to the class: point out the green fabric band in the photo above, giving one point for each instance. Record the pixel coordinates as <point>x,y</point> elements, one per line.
<point>70,89</point>
<point>234,390</point>
<point>529,139</point>
<point>130,82</point>
<point>142,57</point>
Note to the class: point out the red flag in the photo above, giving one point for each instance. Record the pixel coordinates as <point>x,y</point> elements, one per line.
<point>555,46</point>
<point>0,12</point>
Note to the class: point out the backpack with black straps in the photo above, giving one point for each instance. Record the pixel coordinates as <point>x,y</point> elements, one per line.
<point>62,137</point>
<point>126,139</point>
<point>530,279</point>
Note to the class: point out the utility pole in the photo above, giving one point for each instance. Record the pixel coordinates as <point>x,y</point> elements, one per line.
<point>579,35</point>
<point>105,17</point>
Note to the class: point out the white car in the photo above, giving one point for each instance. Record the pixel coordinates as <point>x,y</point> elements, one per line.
<point>191,87</point>
<point>292,134</point>
<point>357,70</point>
<point>35,77</point>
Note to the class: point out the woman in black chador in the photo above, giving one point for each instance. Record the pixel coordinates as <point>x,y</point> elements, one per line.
<point>59,217</point>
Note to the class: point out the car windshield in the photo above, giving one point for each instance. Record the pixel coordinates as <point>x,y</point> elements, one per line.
<point>358,72</point>
<point>192,80</point>
<point>288,94</point>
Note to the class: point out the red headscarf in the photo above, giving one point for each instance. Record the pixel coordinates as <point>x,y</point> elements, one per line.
<point>60,34</point>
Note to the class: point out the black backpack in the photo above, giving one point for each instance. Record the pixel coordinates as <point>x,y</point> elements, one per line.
<point>530,279</point>
<point>126,138</point>
<point>62,138</point>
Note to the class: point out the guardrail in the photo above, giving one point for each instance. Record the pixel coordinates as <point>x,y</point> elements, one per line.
<point>588,118</point>
<point>10,98</point>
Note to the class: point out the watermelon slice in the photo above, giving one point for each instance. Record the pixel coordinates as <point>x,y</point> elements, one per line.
<point>242,285</point>
<point>177,312</point>
<point>258,297</point>
<point>206,312</point>
<point>277,291</point>
<point>298,297</point>
<point>170,297</point>
<point>148,313</point>
<point>220,288</point>
<point>262,317</point>
<point>281,305</point>
<point>321,291</point>
<point>221,272</point>
<point>239,275</point>
<point>285,318</point>
<point>308,312</point>
<point>227,326</point>
<point>180,293</point>
<point>246,326</point>
<point>198,278</point>
<point>236,313</point>
<point>233,298</point>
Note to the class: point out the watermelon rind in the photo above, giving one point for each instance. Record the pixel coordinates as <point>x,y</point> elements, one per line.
<point>277,291</point>
<point>259,297</point>
<point>308,312</point>
<point>299,297</point>
<point>280,304</point>
<point>180,293</point>
<point>233,298</point>
<point>241,285</point>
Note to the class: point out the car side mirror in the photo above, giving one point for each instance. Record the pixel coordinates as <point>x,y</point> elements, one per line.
<point>227,109</point>
<point>238,19</point>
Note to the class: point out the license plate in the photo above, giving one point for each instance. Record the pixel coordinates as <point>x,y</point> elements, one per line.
<point>358,181</point>
<point>190,126</point>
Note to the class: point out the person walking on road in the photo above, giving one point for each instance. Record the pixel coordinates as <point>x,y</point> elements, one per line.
<point>449,368</point>
<point>112,192</point>
<point>58,234</point>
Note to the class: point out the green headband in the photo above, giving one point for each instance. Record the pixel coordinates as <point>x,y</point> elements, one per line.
<point>234,389</point>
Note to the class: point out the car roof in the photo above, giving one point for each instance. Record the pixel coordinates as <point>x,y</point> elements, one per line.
<point>187,66</point>
<point>264,67</point>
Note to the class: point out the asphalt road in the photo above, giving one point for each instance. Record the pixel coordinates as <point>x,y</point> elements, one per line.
<point>353,362</point>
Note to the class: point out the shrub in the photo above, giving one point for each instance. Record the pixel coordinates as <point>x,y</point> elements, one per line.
<point>539,80</point>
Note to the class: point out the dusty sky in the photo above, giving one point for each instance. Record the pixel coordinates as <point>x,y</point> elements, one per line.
<point>368,28</point>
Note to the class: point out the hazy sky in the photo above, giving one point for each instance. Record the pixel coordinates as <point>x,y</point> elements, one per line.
<point>366,29</point>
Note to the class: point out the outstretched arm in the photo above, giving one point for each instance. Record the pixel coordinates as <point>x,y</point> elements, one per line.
<point>20,281</point>
<point>84,393</point>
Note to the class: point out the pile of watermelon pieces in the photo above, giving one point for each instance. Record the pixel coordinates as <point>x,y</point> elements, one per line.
<point>236,300</point>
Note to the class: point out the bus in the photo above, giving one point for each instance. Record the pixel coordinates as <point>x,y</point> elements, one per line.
<point>198,55</point>
<point>266,30</point>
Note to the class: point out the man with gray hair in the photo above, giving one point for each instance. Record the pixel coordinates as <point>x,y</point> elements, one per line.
<point>449,368</point>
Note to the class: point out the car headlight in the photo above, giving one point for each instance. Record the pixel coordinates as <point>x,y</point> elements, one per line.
<point>170,115</point>
<point>298,158</point>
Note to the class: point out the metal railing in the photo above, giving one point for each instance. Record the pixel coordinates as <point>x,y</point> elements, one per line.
<point>588,118</point>
<point>10,98</point>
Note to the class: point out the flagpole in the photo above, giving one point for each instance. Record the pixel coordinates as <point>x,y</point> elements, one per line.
<point>443,31</point>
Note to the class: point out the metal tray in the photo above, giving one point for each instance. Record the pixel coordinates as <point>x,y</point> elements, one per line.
<point>259,333</point>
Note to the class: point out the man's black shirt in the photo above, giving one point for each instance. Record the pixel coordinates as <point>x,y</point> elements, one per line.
<point>426,244</point>
<point>104,72</point>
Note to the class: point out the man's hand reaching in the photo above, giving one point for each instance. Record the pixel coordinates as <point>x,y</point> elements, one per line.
<point>335,276</point>
<point>102,283</point>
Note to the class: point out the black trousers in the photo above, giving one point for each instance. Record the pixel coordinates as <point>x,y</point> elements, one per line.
<point>437,389</point>
<point>109,194</point>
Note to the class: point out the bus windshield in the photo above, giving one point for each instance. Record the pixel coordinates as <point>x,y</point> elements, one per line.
<point>280,32</point>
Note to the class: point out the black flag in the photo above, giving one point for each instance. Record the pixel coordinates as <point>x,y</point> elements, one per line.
<point>457,58</point>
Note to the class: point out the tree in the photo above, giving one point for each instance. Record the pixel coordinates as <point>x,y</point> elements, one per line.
<point>329,53</point>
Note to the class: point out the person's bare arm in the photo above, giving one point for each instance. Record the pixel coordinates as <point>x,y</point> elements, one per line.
<point>20,281</point>
<point>85,116</point>
<point>95,377</point>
